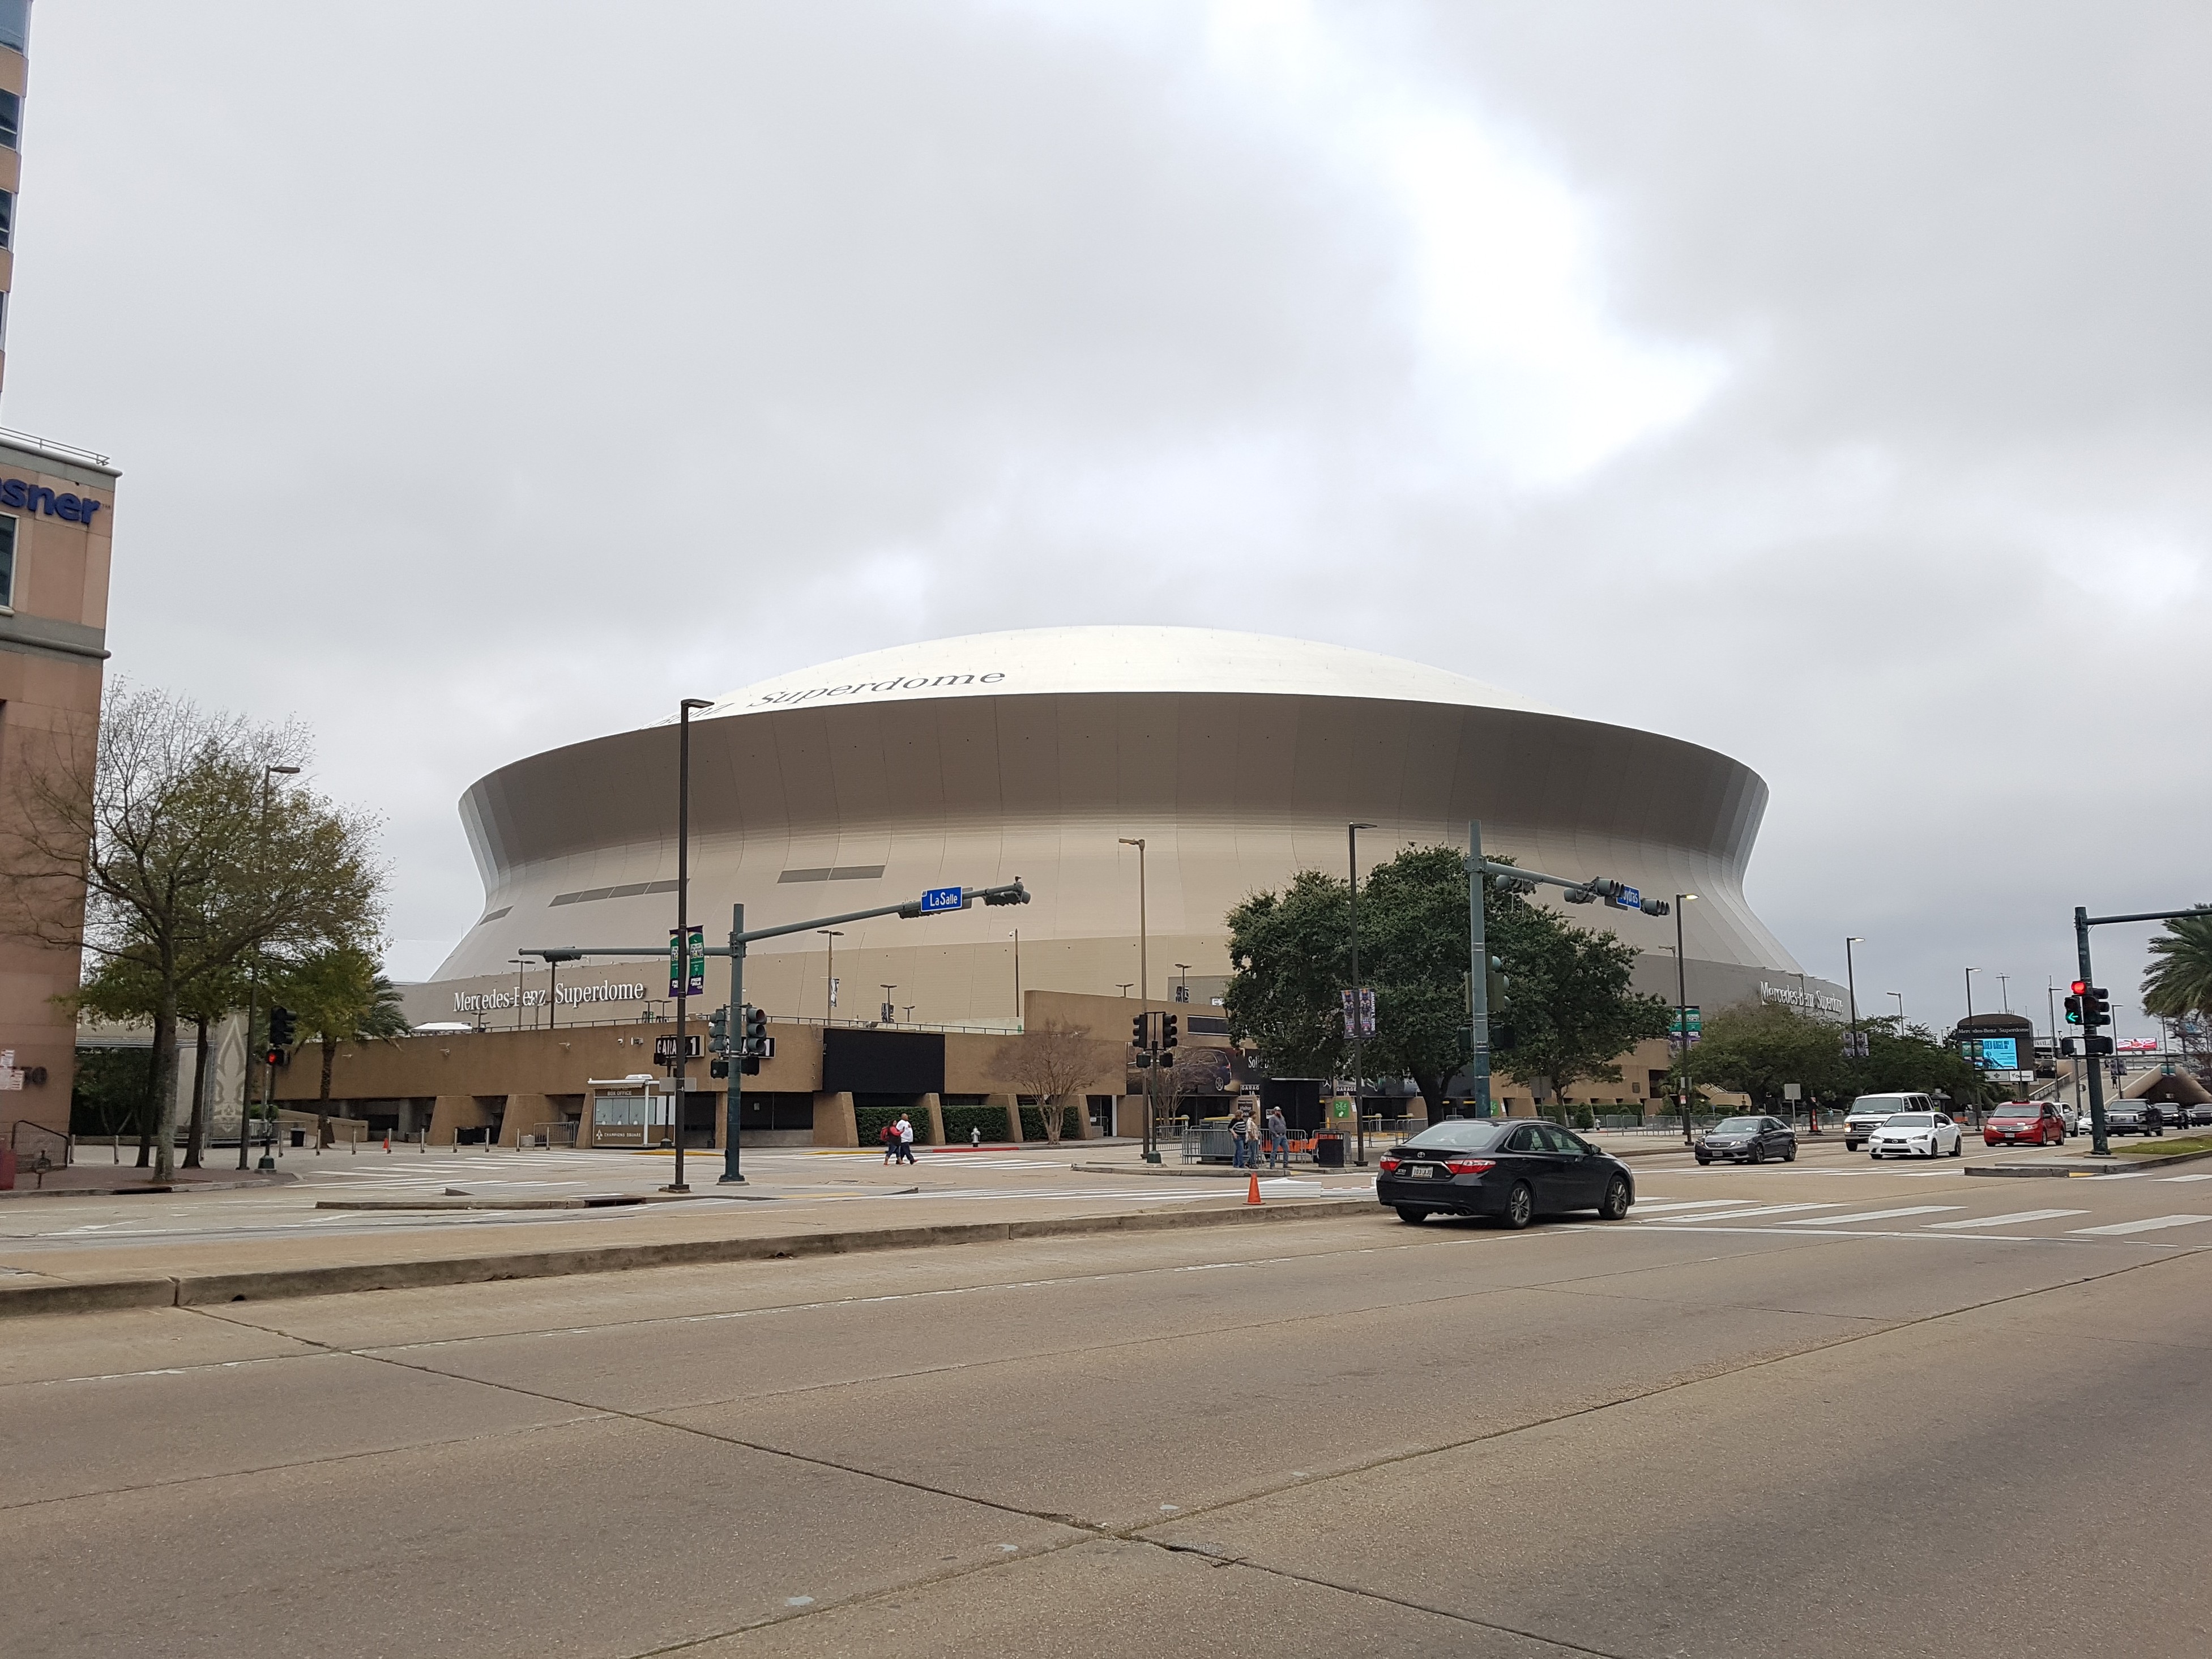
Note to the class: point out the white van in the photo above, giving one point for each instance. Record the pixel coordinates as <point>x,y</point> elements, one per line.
<point>1870,1112</point>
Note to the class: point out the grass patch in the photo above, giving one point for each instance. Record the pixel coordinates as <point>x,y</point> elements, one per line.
<point>2166,1146</point>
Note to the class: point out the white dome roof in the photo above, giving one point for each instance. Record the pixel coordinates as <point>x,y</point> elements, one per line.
<point>1043,661</point>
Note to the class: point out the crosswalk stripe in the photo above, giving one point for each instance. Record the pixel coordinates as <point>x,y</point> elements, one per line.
<point>1645,1207</point>
<point>1874,1215</point>
<point>2018,1219</point>
<point>2151,1225</point>
<point>1768,1209</point>
<point>2188,1177</point>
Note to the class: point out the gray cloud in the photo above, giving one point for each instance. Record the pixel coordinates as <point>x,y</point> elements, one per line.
<point>1825,385</point>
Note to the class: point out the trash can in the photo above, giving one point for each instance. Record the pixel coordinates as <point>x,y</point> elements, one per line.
<point>1329,1151</point>
<point>299,1137</point>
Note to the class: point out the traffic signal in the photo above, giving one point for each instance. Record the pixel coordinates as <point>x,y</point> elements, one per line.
<point>1137,1035</point>
<point>2096,1008</point>
<point>283,1028</point>
<point>1498,986</point>
<point>757,1043</point>
<point>1167,1030</point>
<point>718,1035</point>
<point>2074,1008</point>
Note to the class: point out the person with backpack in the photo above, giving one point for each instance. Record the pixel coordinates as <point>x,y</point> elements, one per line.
<point>889,1136</point>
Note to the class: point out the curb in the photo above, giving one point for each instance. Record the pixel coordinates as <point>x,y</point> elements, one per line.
<point>91,1295</point>
<point>2120,1165</point>
<point>284,1178</point>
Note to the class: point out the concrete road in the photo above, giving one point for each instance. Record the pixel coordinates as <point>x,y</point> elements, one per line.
<point>1819,1410</point>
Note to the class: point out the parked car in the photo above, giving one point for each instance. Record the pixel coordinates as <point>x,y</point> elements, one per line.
<point>1918,1134</point>
<point>2200,1114</point>
<point>1509,1171</point>
<point>2035,1122</point>
<point>2132,1117</point>
<point>1748,1140</point>
<point>2077,1123</point>
<point>1870,1112</point>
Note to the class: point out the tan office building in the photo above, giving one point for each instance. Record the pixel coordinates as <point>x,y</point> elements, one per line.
<point>56,512</point>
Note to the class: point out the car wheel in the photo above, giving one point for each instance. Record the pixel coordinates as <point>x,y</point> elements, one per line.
<point>1615,1207</point>
<point>1789,1153</point>
<point>1520,1208</point>
<point>1411,1214</point>
<point>1958,1147</point>
<point>1758,1153</point>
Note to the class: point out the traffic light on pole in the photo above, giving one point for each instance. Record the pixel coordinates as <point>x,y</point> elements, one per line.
<point>1168,1024</point>
<point>283,1028</point>
<point>1137,1035</point>
<point>1498,986</point>
<point>718,1032</point>
<point>2073,1003</point>
<point>2096,1008</point>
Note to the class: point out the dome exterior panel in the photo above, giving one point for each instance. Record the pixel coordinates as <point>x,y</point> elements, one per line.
<point>1239,760</point>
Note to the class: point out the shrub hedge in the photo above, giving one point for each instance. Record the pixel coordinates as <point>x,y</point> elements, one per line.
<point>959,1119</point>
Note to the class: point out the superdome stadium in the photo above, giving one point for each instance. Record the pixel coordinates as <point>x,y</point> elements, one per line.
<point>1236,759</point>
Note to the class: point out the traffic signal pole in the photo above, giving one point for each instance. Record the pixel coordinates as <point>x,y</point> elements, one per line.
<point>1478,974</point>
<point>2095,1005</point>
<point>1009,893</point>
<point>2098,1145</point>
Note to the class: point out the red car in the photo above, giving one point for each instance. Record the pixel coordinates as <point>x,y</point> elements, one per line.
<point>2024,1122</point>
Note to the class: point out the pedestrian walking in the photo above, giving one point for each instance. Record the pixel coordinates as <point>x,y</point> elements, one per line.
<point>889,1136</point>
<point>905,1143</point>
<point>1278,1139</point>
<point>1244,1134</point>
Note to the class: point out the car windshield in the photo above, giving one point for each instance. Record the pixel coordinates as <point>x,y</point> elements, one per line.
<point>2007,1112</point>
<point>1474,1136</point>
<point>1738,1126</point>
<point>1911,1120</point>
<point>1865,1104</point>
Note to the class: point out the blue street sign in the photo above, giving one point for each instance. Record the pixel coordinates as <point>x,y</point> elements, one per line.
<point>1630,898</point>
<point>940,898</point>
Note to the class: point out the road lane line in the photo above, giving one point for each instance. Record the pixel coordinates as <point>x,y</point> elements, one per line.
<point>2151,1225</point>
<point>2194,1177</point>
<point>1644,1206</point>
<point>1767,1209</point>
<point>2018,1219</point>
<point>1874,1215</point>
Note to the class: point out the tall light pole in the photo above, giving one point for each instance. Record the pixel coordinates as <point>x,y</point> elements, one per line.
<point>1970,972</point>
<point>1357,1022</point>
<point>1183,969</point>
<point>2004,992</point>
<point>889,1012</point>
<point>1851,989</point>
<point>519,964</point>
<point>829,973</point>
<point>1017,937</point>
<point>1900,995</point>
<point>253,974</point>
<point>683,913</point>
<point>1143,978</point>
<point>1682,1017</point>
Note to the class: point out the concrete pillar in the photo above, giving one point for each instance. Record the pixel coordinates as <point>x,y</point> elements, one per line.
<point>836,1123</point>
<point>452,1112</point>
<point>933,1108</point>
<point>1075,1118</point>
<point>524,1114</point>
<point>1013,1103</point>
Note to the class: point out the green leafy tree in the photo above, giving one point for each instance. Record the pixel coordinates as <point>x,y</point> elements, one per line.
<point>339,996</point>
<point>1755,1048</point>
<point>2178,984</point>
<point>161,849</point>
<point>1903,1059</point>
<point>1572,1012</point>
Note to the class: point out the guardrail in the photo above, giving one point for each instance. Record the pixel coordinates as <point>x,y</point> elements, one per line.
<point>31,1141</point>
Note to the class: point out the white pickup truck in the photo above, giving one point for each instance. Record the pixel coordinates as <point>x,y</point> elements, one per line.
<point>1870,1112</point>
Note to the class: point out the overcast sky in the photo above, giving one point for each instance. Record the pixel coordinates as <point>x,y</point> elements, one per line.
<point>1830,384</point>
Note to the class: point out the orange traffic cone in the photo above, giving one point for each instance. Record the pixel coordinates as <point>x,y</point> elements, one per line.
<point>1252,1193</point>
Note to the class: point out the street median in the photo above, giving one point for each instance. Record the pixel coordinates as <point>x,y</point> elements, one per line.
<point>50,1296</point>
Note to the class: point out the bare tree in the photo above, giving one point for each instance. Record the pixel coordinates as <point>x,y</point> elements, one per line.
<point>1053,1060</point>
<point>162,853</point>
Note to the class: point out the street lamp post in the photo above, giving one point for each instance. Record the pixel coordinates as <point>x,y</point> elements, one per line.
<point>1152,1154</point>
<point>683,915</point>
<point>1358,1021</point>
<point>519,964</point>
<point>1682,1018</point>
<point>253,977</point>
<point>1183,985</point>
<point>1970,972</point>
<point>888,1011</point>
<point>1017,937</point>
<point>829,973</point>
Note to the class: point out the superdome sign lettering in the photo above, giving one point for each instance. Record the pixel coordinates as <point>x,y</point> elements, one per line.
<point>912,683</point>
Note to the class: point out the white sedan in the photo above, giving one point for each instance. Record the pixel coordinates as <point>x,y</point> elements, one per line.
<point>1917,1135</point>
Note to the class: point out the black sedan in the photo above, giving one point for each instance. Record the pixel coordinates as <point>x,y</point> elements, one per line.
<point>1511,1171</point>
<point>1748,1140</point>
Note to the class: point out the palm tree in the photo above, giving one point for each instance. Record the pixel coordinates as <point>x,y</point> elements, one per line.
<point>2179,981</point>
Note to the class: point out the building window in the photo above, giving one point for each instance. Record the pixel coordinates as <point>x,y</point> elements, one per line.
<point>7,563</point>
<point>15,24</point>
<point>7,218</point>
<point>11,120</point>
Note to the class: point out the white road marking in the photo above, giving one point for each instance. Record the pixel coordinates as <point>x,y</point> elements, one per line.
<point>2151,1225</point>
<point>2194,1177</point>
<point>2018,1219</point>
<point>1768,1209</point>
<point>1874,1215</point>
<point>1644,1206</point>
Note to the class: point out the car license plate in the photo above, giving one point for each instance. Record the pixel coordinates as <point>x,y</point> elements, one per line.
<point>1429,1170</point>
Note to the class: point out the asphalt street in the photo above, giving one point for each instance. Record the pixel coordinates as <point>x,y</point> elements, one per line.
<point>1822,1409</point>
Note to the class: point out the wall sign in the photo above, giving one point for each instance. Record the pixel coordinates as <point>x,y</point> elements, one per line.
<point>37,498</point>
